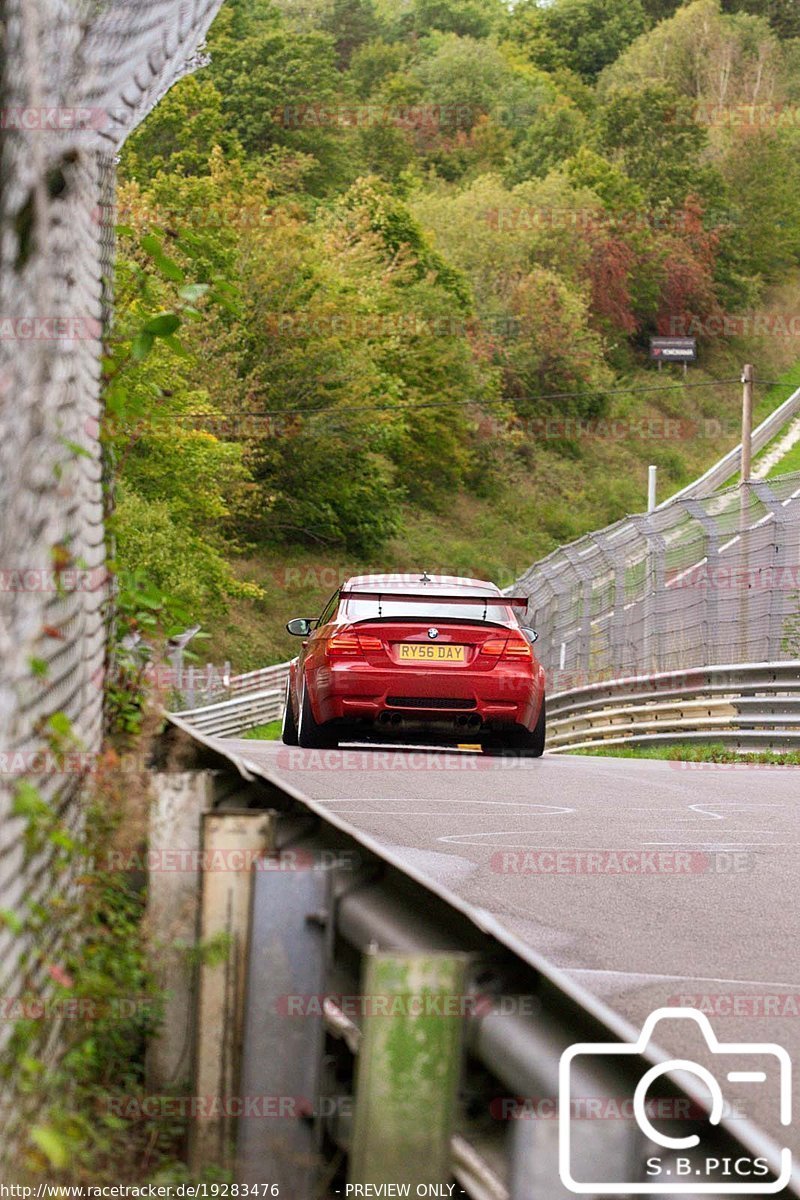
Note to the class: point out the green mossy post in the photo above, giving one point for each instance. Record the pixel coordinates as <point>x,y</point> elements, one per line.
<point>408,1068</point>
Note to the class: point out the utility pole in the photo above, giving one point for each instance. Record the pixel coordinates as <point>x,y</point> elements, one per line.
<point>747,422</point>
<point>744,510</point>
<point>652,481</point>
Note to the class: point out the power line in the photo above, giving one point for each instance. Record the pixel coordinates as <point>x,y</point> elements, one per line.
<point>356,408</point>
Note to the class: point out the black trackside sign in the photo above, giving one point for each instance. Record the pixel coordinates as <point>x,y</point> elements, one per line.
<point>673,349</point>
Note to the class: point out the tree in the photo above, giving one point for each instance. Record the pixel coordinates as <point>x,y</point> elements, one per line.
<point>554,350</point>
<point>556,133</point>
<point>584,35</point>
<point>660,10</point>
<point>351,23</point>
<point>280,89</point>
<point>371,64</point>
<point>704,55</point>
<point>651,133</point>
<point>783,15</point>
<point>181,132</point>
<point>762,175</point>
<point>467,18</point>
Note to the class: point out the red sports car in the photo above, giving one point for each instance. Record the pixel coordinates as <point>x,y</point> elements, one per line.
<point>417,658</point>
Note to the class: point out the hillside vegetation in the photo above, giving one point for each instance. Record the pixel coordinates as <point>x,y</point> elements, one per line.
<point>387,276</point>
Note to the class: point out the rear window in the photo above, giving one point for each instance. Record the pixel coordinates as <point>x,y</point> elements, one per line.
<point>364,610</point>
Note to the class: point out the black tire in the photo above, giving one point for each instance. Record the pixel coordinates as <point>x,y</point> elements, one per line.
<point>534,742</point>
<point>289,726</point>
<point>522,743</point>
<point>310,734</point>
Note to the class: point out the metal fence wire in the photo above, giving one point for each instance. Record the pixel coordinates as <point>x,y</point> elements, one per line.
<point>76,76</point>
<point>701,580</point>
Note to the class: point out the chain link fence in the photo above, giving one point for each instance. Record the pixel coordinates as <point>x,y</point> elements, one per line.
<point>712,579</point>
<point>75,77</point>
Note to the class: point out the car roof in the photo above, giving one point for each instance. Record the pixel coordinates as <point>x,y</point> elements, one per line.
<point>419,582</point>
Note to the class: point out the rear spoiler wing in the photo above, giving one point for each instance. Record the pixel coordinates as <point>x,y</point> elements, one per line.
<point>429,598</point>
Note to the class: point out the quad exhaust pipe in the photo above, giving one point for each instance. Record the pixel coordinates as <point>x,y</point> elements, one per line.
<point>395,719</point>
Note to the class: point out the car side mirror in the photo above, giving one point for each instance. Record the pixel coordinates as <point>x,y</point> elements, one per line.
<point>300,626</point>
<point>530,634</point>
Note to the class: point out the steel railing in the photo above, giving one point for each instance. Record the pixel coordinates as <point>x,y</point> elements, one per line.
<point>255,699</point>
<point>358,916</point>
<point>745,705</point>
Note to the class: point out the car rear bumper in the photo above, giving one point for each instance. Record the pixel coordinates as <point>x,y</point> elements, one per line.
<point>428,696</point>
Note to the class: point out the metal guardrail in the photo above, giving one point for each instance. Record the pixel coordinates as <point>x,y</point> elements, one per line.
<point>263,680</point>
<point>253,702</point>
<point>395,1091</point>
<point>746,706</point>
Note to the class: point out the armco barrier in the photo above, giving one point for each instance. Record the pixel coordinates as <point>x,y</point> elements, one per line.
<point>229,717</point>
<point>746,706</point>
<point>401,1027</point>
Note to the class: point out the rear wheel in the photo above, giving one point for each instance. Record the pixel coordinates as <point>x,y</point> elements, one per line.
<point>289,727</point>
<point>523,743</point>
<point>310,733</point>
<point>533,743</point>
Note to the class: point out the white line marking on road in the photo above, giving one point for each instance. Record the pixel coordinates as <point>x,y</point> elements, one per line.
<point>720,844</point>
<point>440,800</point>
<point>693,978</point>
<point>704,813</point>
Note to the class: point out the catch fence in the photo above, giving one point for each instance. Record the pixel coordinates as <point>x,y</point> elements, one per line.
<point>703,579</point>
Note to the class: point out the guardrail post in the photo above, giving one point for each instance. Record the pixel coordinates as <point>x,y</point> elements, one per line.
<point>231,841</point>
<point>283,1026</point>
<point>173,901</point>
<point>408,1068</point>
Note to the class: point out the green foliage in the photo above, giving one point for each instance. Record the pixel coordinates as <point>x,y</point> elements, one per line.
<point>583,35</point>
<point>351,23</point>
<point>102,985</point>
<point>373,229</point>
<point>652,134</point>
<point>705,55</point>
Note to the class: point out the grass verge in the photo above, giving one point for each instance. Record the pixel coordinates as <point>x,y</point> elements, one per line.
<point>699,754</point>
<point>270,732</point>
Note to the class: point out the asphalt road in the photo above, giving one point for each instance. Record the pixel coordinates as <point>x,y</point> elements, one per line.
<point>651,883</point>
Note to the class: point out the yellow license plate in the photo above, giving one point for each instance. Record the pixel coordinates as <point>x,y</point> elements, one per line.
<point>421,653</point>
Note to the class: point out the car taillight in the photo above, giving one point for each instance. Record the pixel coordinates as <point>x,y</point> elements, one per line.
<point>351,645</point>
<point>506,648</point>
<point>518,648</point>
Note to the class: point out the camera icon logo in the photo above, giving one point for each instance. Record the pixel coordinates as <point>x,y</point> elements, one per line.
<point>693,1175</point>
